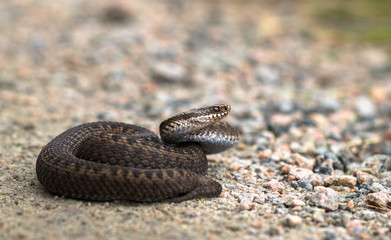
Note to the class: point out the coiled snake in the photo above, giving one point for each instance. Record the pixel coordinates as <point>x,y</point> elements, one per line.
<point>105,161</point>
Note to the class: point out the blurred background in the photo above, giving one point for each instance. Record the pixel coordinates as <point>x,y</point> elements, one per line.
<point>124,60</point>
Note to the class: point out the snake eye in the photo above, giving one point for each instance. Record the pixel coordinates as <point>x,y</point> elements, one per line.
<point>216,109</point>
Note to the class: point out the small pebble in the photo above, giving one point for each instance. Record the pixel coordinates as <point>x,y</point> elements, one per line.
<point>345,180</point>
<point>293,221</point>
<point>325,167</point>
<point>354,227</point>
<point>241,146</point>
<point>368,215</point>
<point>296,173</point>
<point>366,108</point>
<point>305,183</point>
<point>302,183</point>
<point>301,161</point>
<point>350,205</point>
<point>275,186</point>
<point>378,163</point>
<point>316,180</point>
<point>239,164</point>
<point>265,154</point>
<point>377,187</point>
<point>168,72</point>
<point>363,177</point>
<point>325,198</point>
<point>297,202</point>
<point>319,215</point>
<point>309,147</point>
<point>260,198</point>
<point>286,168</point>
<point>246,202</point>
<point>230,186</point>
<point>95,213</point>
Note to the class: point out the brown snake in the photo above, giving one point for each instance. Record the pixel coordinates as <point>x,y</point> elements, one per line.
<point>105,161</point>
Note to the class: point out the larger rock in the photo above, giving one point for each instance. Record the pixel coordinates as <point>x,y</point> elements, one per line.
<point>381,199</point>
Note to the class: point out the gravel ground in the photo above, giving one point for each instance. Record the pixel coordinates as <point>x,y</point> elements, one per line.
<point>314,117</point>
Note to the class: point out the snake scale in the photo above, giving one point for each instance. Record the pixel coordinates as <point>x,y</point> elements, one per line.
<point>103,161</point>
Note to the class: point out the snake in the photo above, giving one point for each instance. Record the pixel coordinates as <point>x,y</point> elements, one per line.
<point>105,161</point>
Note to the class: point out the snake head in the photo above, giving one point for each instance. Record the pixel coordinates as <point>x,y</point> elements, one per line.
<point>179,126</point>
<point>211,114</point>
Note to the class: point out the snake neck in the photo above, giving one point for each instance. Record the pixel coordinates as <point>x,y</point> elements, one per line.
<point>178,127</point>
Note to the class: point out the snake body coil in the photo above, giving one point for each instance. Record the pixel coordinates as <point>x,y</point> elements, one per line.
<point>105,161</point>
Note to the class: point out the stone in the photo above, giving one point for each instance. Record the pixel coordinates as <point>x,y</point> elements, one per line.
<point>302,183</point>
<point>354,227</point>
<point>297,203</point>
<point>260,198</point>
<point>168,72</point>
<point>265,154</point>
<point>345,180</point>
<point>239,164</point>
<point>301,161</point>
<point>319,215</point>
<point>379,164</point>
<point>316,180</point>
<point>286,168</point>
<point>246,202</point>
<point>377,187</point>
<point>325,198</point>
<point>368,215</point>
<point>350,205</point>
<point>296,173</point>
<point>380,199</point>
<point>366,108</point>
<point>275,186</point>
<point>363,177</point>
<point>293,221</point>
<point>324,166</point>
